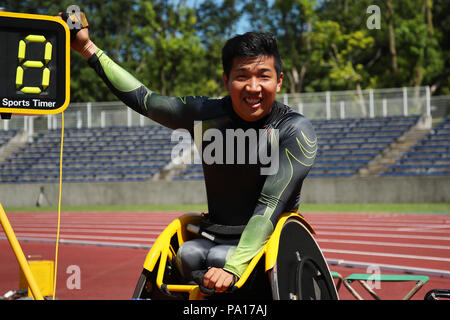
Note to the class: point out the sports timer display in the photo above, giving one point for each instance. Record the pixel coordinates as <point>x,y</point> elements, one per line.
<point>34,64</point>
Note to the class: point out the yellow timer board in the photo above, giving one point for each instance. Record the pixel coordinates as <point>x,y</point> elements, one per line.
<point>34,64</point>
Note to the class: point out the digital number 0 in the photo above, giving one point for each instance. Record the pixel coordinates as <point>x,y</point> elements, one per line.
<point>33,64</point>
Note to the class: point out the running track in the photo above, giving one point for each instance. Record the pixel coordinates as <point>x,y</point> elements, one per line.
<point>109,248</point>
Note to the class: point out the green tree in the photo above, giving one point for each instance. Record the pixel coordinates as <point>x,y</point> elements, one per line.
<point>291,22</point>
<point>440,81</point>
<point>216,22</point>
<point>171,55</point>
<point>175,47</point>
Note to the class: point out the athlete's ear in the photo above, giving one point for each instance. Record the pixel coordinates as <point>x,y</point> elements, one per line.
<point>225,81</point>
<point>279,82</point>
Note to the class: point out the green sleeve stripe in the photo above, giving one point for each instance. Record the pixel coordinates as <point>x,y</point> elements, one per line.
<point>288,153</point>
<point>253,239</point>
<point>268,200</point>
<point>310,155</point>
<point>121,79</point>
<point>311,143</point>
<point>146,98</point>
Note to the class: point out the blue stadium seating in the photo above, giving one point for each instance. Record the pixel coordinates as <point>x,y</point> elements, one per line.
<point>192,172</point>
<point>137,153</point>
<point>7,135</point>
<point>348,145</point>
<point>345,145</point>
<point>97,154</point>
<point>430,156</point>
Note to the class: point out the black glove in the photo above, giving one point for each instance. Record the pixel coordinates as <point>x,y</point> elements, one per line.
<point>76,20</point>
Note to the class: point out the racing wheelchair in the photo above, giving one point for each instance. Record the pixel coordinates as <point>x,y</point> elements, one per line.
<point>289,267</point>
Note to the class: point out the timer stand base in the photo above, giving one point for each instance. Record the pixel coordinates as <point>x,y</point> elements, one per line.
<point>6,116</point>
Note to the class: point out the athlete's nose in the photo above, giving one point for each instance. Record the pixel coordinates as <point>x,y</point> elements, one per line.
<point>253,85</point>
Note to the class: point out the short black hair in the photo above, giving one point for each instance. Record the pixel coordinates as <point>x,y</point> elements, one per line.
<point>251,44</point>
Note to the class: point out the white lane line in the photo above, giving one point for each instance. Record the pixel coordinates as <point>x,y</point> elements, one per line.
<point>93,228</point>
<point>162,226</point>
<point>383,254</point>
<point>122,231</point>
<point>53,236</point>
<point>85,242</point>
<point>381,224</point>
<point>428,222</point>
<point>380,243</point>
<point>131,232</point>
<point>94,224</point>
<point>417,230</point>
<point>430,219</point>
<point>391,267</point>
<point>382,235</point>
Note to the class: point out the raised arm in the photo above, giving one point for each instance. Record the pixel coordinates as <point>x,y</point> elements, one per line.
<point>172,112</point>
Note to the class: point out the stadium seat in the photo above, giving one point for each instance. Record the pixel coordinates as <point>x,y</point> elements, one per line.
<point>5,136</point>
<point>352,143</point>
<point>96,154</point>
<point>429,157</point>
<point>345,147</point>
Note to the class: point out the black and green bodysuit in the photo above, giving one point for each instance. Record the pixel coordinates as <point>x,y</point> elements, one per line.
<point>237,191</point>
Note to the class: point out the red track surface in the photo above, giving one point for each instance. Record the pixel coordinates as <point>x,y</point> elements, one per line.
<point>109,249</point>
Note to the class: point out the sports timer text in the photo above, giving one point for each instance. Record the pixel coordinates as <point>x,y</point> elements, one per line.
<point>34,64</point>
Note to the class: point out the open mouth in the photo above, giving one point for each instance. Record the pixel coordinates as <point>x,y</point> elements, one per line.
<point>253,102</point>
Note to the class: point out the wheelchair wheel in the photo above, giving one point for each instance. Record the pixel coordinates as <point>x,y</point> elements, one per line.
<point>300,271</point>
<point>146,288</point>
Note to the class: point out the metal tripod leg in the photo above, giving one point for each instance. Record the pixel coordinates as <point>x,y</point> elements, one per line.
<point>19,255</point>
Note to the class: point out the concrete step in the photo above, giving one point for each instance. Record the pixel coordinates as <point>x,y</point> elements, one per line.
<point>389,156</point>
<point>13,145</point>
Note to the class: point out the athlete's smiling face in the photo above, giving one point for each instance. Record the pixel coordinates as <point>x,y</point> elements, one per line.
<point>253,85</point>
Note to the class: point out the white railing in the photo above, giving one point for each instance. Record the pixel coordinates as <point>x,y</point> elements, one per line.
<point>365,103</point>
<point>318,105</point>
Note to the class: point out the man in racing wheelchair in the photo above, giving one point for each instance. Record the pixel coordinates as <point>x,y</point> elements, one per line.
<point>290,266</point>
<point>249,182</point>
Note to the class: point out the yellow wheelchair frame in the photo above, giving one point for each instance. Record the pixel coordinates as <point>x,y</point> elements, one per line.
<point>163,249</point>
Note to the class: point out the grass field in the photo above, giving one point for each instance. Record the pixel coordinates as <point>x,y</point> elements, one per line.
<point>443,208</point>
